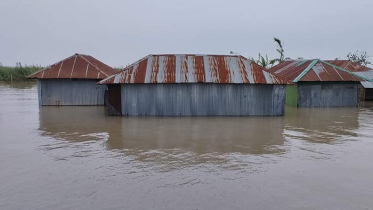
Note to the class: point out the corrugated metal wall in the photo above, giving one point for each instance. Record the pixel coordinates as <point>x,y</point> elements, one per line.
<point>60,92</point>
<point>328,94</point>
<point>38,85</point>
<point>113,105</point>
<point>369,94</point>
<point>291,95</point>
<point>202,99</point>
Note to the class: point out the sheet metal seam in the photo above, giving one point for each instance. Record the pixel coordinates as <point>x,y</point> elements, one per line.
<point>306,70</point>
<point>347,71</point>
<point>98,69</point>
<point>48,67</point>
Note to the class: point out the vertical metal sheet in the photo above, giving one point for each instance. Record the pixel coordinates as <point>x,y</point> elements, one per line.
<point>60,92</point>
<point>38,85</point>
<point>202,99</point>
<point>328,94</point>
<point>113,100</point>
<point>291,95</point>
<point>368,96</point>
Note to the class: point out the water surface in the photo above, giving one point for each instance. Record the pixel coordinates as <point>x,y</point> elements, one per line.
<point>78,158</point>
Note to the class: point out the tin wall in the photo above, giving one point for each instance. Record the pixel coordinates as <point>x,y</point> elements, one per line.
<point>369,94</point>
<point>38,85</point>
<point>291,95</point>
<point>60,92</point>
<point>202,99</point>
<point>113,105</point>
<point>328,94</point>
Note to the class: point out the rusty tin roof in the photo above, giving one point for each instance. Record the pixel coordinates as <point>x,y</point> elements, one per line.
<point>313,70</point>
<point>77,66</point>
<point>188,68</point>
<point>349,65</point>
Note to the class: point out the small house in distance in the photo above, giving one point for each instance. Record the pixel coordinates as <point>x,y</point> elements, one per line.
<point>366,91</point>
<point>319,83</point>
<point>366,88</point>
<point>194,85</point>
<point>72,81</point>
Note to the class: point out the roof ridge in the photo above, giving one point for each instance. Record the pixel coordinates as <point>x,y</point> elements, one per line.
<point>309,67</point>
<point>82,56</point>
<point>149,55</point>
<point>98,69</point>
<point>49,66</point>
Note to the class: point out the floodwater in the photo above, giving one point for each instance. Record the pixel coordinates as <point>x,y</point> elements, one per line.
<point>78,158</point>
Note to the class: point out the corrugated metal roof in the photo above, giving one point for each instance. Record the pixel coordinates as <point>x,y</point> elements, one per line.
<point>369,75</point>
<point>367,84</point>
<point>313,70</point>
<point>187,68</point>
<point>349,65</point>
<point>77,66</point>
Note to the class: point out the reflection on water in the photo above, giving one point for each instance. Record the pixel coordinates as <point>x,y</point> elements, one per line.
<point>326,125</point>
<point>78,158</point>
<point>73,123</point>
<point>19,85</point>
<point>254,135</point>
<point>170,142</point>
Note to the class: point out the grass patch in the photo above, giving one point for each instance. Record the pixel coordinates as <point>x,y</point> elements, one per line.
<point>18,73</point>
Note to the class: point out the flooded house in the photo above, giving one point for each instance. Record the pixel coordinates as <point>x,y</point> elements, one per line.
<point>366,90</point>
<point>72,82</point>
<point>318,83</point>
<point>194,85</point>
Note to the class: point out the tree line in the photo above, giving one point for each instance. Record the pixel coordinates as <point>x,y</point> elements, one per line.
<point>360,57</point>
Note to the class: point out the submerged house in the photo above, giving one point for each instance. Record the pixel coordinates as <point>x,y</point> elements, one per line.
<point>318,83</point>
<point>366,90</point>
<point>72,81</point>
<point>194,85</point>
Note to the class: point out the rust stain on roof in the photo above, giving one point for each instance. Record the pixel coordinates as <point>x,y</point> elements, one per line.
<point>349,65</point>
<point>190,68</point>
<point>320,71</point>
<point>78,66</point>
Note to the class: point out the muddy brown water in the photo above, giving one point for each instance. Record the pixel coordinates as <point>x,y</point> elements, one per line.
<point>78,158</point>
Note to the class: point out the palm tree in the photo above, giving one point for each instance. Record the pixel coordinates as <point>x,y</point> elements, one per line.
<point>280,49</point>
<point>263,61</point>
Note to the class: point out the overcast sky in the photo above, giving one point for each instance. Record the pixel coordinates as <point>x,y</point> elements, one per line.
<point>119,32</point>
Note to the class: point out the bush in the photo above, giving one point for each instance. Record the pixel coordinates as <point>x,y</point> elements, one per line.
<point>18,73</point>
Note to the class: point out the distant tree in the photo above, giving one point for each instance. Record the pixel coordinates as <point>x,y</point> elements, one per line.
<point>118,68</point>
<point>280,50</point>
<point>264,61</point>
<point>267,63</point>
<point>359,57</point>
<point>1,64</point>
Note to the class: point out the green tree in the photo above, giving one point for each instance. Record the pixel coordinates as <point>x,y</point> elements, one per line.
<point>280,50</point>
<point>264,61</point>
<point>359,57</point>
